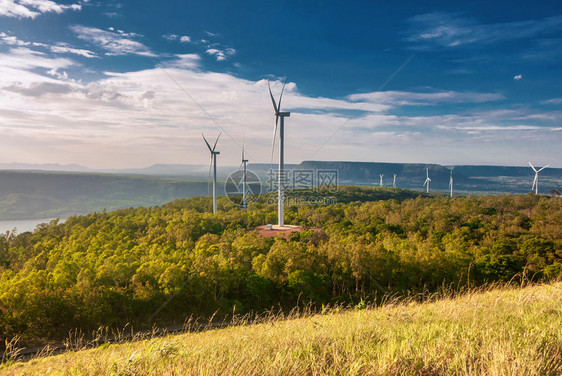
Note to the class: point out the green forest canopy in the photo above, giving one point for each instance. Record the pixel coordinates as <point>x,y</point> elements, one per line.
<point>122,267</point>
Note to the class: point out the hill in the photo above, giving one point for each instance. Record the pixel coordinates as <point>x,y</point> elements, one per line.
<point>50,194</point>
<point>156,266</point>
<point>503,331</point>
<point>467,179</point>
<point>38,194</point>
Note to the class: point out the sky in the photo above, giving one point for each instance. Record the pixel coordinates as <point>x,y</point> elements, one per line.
<point>121,84</point>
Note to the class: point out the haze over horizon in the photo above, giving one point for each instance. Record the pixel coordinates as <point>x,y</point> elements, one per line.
<point>123,84</point>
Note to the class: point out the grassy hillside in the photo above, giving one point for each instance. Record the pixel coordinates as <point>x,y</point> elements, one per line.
<point>506,331</point>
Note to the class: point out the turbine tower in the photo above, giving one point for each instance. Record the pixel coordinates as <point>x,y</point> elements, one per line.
<point>244,175</point>
<point>451,185</point>
<point>380,183</point>
<point>536,180</point>
<point>281,172</point>
<point>213,163</point>
<point>394,181</point>
<point>427,179</point>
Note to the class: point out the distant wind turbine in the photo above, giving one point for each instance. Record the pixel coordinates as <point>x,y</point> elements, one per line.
<point>427,179</point>
<point>213,163</point>
<point>451,185</point>
<point>244,176</point>
<point>281,124</point>
<point>536,180</point>
<point>380,183</point>
<point>394,181</point>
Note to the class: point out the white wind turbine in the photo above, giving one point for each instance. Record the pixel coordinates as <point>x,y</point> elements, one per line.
<point>394,181</point>
<point>244,176</point>
<point>213,163</point>
<point>451,185</point>
<point>281,172</point>
<point>536,180</point>
<point>427,179</point>
<point>380,182</point>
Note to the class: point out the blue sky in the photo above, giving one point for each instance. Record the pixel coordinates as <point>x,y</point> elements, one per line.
<point>133,83</point>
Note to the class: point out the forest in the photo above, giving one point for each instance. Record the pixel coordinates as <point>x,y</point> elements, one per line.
<point>157,266</point>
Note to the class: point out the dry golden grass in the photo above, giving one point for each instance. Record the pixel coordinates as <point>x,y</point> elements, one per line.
<point>505,331</point>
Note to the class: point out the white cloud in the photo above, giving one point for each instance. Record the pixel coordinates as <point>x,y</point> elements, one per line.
<point>59,48</point>
<point>448,30</point>
<point>175,37</point>
<point>60,75</point>
<point>26,59</point>
<point>552,101</point>
<point>32,8</point>
<point>518,77</point>
<point>65,48</point>
<point>184,61</point>
<point>221,55</point>
<point>115,43</point>
<point>416,98</point>
<point>12,40</point>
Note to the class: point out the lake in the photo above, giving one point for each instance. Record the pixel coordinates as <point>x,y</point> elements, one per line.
<point>23,225</point>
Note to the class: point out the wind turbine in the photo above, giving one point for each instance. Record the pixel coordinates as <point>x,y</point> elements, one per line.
<point>244,175</point>
<point>451,185</point>
<point>427,179</point>
<point>213,163</point>
<point>380,183</point>
<point>536,180</point>
<point>394,181</point>
<point>281,172</point>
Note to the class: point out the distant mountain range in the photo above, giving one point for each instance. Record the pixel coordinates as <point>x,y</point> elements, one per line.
<point>36,191</point>
<point>467,179</point>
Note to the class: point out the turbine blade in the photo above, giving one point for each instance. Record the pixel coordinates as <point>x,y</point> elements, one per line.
<point>534,169</point>
<point>209,176</point>
<point>272,99</point>
<point>217,140</point>
<point>281,96</point>
<point>274,136</point>
<point>209,146</point>
<point>543,168</point>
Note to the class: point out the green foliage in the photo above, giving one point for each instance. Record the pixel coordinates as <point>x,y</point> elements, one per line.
<point>162,264</point>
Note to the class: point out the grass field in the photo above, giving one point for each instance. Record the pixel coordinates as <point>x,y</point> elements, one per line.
<point>501,331</point>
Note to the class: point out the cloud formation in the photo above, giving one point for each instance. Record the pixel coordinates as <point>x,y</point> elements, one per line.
<point>116,117</point>
<point>32,8</point>
<point>221,55</point>
<point>59,48</point>
<point>407,98</point>
<point>180,38</point>
<point>113,42</point>
<point>450,30</point>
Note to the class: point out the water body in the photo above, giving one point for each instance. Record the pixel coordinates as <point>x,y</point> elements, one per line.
<point>23,225</point>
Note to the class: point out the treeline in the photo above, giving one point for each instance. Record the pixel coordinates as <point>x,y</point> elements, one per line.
<point>160,265</point>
